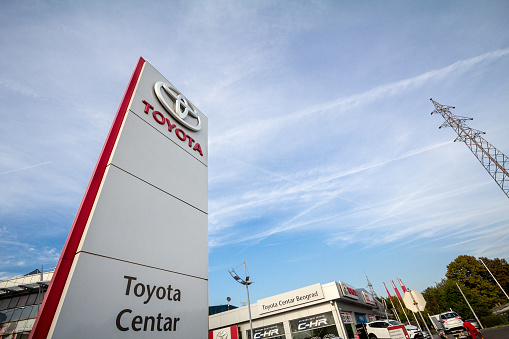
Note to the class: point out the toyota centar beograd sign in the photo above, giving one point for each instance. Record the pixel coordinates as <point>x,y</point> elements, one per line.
<point>290,299</point>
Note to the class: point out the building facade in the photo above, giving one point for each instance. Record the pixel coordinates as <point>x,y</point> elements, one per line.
<point>318,311</point>
<point>20,299</point>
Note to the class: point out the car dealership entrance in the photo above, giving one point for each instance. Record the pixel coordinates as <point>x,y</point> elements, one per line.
<point>318,311</point>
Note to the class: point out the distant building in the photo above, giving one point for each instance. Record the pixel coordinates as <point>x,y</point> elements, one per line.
<point>318,311</point>
<point>20,299</point>
<point>220,308</point>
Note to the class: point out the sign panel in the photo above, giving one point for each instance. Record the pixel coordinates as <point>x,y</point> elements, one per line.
<point>289,299</point>
<point>136,260</point>
<point>368,298</point>
<point>346,317</point>
<point>348,291</point>
<point>398,332</point>
<point>152,109</point>
<point>311,322</point>
<point>316,326</point>
<point>360,318</point>
<point>136,301</point>
<point>275,331</point>
<point>414,301</point>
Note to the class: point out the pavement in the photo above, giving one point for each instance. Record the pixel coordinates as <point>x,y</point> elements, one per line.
<point>488,333</point>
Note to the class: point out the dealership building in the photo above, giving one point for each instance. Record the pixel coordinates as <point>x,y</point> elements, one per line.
<point>318,311</point>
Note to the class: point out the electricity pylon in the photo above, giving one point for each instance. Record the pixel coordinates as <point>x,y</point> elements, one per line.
<point>494,161</point>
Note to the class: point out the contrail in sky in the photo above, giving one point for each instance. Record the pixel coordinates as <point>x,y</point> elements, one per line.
<point>344,103</point>
<point>24,168</point>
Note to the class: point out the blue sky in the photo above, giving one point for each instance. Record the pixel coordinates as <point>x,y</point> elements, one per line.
<point>325,163</point>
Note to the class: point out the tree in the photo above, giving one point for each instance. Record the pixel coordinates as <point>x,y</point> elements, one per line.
<point>500,269</point>
<point>476,281</point>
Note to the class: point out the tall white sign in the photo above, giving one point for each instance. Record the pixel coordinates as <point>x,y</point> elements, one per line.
<point>135,263</point>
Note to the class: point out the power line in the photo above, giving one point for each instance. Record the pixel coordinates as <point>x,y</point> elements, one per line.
<point>494,161</point>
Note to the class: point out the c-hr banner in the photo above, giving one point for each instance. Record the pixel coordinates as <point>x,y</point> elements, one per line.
<point>135,263</point>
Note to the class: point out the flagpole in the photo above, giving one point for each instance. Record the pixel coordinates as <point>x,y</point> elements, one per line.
<point>399,299</point>
<point>404,291</point>
<point>507,296</point>
<point>415,303</point>
<point>393,307</point>
<point>406,316</point>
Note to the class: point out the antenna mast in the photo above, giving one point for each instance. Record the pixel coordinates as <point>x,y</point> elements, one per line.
<point>494,161</point>
<point>370,286</point>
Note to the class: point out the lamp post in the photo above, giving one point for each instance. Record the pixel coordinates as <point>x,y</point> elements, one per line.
<point>471,309</point>
<point>494,279</point>
<point>245,282</point>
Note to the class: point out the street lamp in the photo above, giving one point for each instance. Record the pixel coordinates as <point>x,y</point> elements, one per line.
<point>245,282</point>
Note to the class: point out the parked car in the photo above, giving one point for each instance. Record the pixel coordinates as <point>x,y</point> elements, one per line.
<point>475,323</point>
<point>379,329</point>
<point>451,322</point>
<point>426,335</point>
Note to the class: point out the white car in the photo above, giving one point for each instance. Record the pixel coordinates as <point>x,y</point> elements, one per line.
<point>451,321</point>
<point>378,329</point>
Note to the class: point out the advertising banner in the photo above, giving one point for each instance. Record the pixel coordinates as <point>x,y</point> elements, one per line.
<point>368,298</point>
<point>135,263</point>
<point>314,321</point>
<point>319,325</point>
<point>275,331</point>
<point>360,318</point>
<point>348,291</point>
<point>346,317</point>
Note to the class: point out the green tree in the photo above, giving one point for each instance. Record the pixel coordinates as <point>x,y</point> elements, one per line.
<point>475,280</point>
<point>500,269</point>
<point>434,298</point>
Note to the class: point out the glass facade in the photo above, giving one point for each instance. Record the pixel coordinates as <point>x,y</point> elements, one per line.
<point>18,312</point>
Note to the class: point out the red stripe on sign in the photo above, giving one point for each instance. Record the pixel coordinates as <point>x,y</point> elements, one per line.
<point>61,274</point>
<point>233,332</point>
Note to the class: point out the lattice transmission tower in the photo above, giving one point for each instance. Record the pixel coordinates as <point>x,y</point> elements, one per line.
<point>494,161</point>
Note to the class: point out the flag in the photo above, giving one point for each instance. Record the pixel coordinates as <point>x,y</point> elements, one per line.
<point>402,286</point>
<point>388,292</point>
<point>395,289</point>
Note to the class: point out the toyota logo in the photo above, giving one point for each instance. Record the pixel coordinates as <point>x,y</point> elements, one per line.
<point>222,335</point>
<point>180,108</point>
